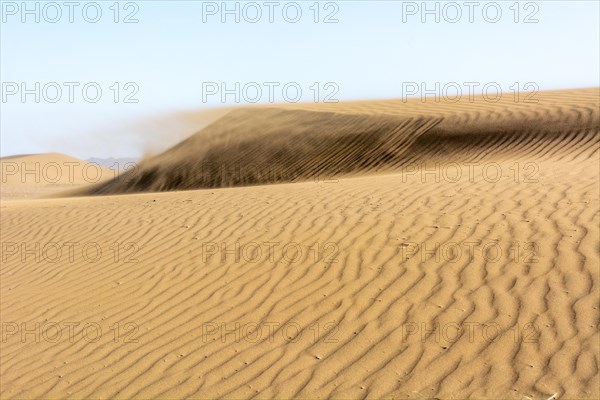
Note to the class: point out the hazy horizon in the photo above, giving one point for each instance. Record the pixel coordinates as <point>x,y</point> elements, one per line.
<point>168,55</point>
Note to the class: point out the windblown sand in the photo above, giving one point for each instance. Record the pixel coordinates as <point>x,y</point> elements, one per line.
<point>427,250</point>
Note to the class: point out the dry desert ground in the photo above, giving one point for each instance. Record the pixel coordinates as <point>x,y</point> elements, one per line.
<point>376,249</point>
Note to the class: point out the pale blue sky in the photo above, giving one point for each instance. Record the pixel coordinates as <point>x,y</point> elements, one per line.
<point>170,52</point>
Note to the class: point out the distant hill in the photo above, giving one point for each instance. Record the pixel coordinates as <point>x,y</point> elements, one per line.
<point>36,175</point>
<point>114,163</point>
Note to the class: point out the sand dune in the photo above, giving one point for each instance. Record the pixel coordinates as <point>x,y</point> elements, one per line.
<point>275,145</point>
<point>436,250</point>
<point>37,175</point>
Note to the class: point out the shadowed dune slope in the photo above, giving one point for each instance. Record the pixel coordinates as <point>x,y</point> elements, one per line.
<point>259,146</point>
<point>275,145</point>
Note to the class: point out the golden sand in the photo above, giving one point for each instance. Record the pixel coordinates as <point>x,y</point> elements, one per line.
<point>403,250</point>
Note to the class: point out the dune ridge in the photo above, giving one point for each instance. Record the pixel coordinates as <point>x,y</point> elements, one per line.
<point>277,145</point>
